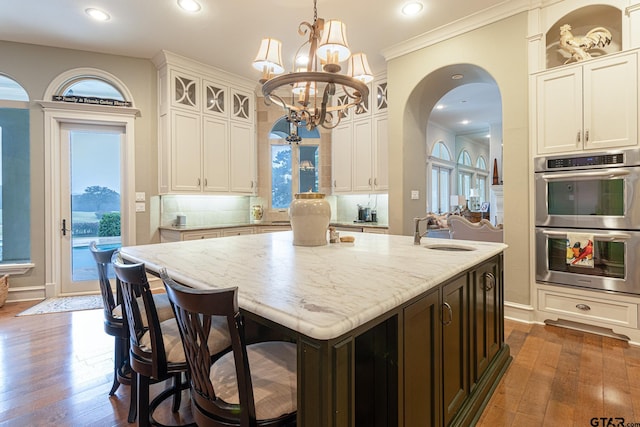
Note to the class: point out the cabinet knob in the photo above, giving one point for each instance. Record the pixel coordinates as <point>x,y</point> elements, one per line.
<point>583,307</point>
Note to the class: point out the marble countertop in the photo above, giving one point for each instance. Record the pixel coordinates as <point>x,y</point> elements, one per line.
<point>322,292</point>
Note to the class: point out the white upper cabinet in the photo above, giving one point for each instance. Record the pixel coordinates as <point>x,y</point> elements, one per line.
<point>362,155</point>
<point>206,129</point>
<point>242,158</point>
<point>359,144</point>
<point>342,158</point>
<point>589,106</point>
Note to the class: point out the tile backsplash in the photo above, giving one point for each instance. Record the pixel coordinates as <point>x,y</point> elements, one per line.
<point>205,210</point>
<point>230,210</point>
<point>347,206</point>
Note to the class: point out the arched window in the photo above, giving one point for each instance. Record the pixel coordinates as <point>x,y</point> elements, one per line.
<point>465,175</point>
<point>294,162</point>
<point>441,151</point>
<point>91,87</point>
<point>440,178</point>
<point>10,90</point>
<point>481,163</point>
<point>15,200</point>
<point>464,158</point>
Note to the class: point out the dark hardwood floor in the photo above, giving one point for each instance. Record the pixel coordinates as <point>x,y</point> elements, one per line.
<point>56,370</point>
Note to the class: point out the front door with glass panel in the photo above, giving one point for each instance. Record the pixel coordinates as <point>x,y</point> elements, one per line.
<point>90,202</point>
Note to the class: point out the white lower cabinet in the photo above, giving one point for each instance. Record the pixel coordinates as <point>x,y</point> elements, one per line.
<point>173,235</point>
<point>588,307</point>
<point>167,236</point>
<point>237,231</point>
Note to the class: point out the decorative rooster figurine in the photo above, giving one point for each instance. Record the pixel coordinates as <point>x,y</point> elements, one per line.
<point>578,46</point>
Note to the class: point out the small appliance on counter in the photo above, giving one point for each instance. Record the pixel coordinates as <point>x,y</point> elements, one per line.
<point>366,214</point>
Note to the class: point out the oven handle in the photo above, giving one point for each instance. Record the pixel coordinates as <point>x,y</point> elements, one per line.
<point>600,237</point>
<point>581,176</point>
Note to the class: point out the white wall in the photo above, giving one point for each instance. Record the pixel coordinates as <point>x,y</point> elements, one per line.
<point>501,50</point>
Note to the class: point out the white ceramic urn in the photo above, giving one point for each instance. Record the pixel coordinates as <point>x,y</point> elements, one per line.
<point>310,214</point>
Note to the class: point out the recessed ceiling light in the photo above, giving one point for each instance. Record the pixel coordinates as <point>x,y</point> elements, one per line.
<point>302,60</point>
<point>97,14</point>
<point>189,5</point>
<point>412,8</point>
<point>457,76</point>
<point>439,107</point>
<point>465,122</point>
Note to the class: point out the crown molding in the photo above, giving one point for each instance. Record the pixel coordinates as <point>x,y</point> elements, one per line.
<point>165,57</point>
<point>472,22</point>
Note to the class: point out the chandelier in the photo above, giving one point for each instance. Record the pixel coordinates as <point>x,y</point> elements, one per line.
<point>309,91</point>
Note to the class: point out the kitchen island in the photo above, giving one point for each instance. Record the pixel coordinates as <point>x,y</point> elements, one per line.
<point>377,321</point>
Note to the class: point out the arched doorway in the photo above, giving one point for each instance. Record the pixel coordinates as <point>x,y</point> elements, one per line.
<point>468,121</point>
<point>420,104</point>
<point>88,119</point>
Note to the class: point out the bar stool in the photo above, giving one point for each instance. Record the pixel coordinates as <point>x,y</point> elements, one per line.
<point>156,353</point>
<point>114,323</point>
<point>251,385</point>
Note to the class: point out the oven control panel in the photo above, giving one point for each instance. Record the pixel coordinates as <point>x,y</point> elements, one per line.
<point>573,162</point>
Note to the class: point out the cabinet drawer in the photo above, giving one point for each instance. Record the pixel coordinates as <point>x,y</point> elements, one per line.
<point>586,308</point>
<point>197,235</point>
<point>273,228</point>
<point>237,231</point>
<point>374,230</point>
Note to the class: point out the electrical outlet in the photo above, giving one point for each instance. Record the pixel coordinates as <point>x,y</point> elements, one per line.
<point>141,206</point>
<point>415,195</point>
<point>140,196</point>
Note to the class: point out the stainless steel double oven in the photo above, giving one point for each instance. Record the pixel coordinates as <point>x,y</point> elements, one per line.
<point>597,197</point>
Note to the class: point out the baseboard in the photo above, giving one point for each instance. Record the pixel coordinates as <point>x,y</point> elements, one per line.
<point>26,293</point>
<point>519,312</point>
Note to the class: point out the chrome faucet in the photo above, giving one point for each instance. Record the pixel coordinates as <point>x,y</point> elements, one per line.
<point>416,235</point>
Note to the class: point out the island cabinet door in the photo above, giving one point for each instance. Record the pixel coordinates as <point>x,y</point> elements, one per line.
<point>485,317</point>
<point>455,346</point>
<point>421,350</point>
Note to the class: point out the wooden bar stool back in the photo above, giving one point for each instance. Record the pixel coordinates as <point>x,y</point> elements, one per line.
<point>252,385</point>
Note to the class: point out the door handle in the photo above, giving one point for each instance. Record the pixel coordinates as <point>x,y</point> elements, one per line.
<point>64,228</point>
<point>583,176</point>
<point>601,237</point>
<point>489,282</point>
<point>448,307</point>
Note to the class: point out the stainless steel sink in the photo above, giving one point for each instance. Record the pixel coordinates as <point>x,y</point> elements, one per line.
<point>449,247</point>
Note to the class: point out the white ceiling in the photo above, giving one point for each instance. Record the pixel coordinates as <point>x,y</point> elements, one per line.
<point>226,33</point>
